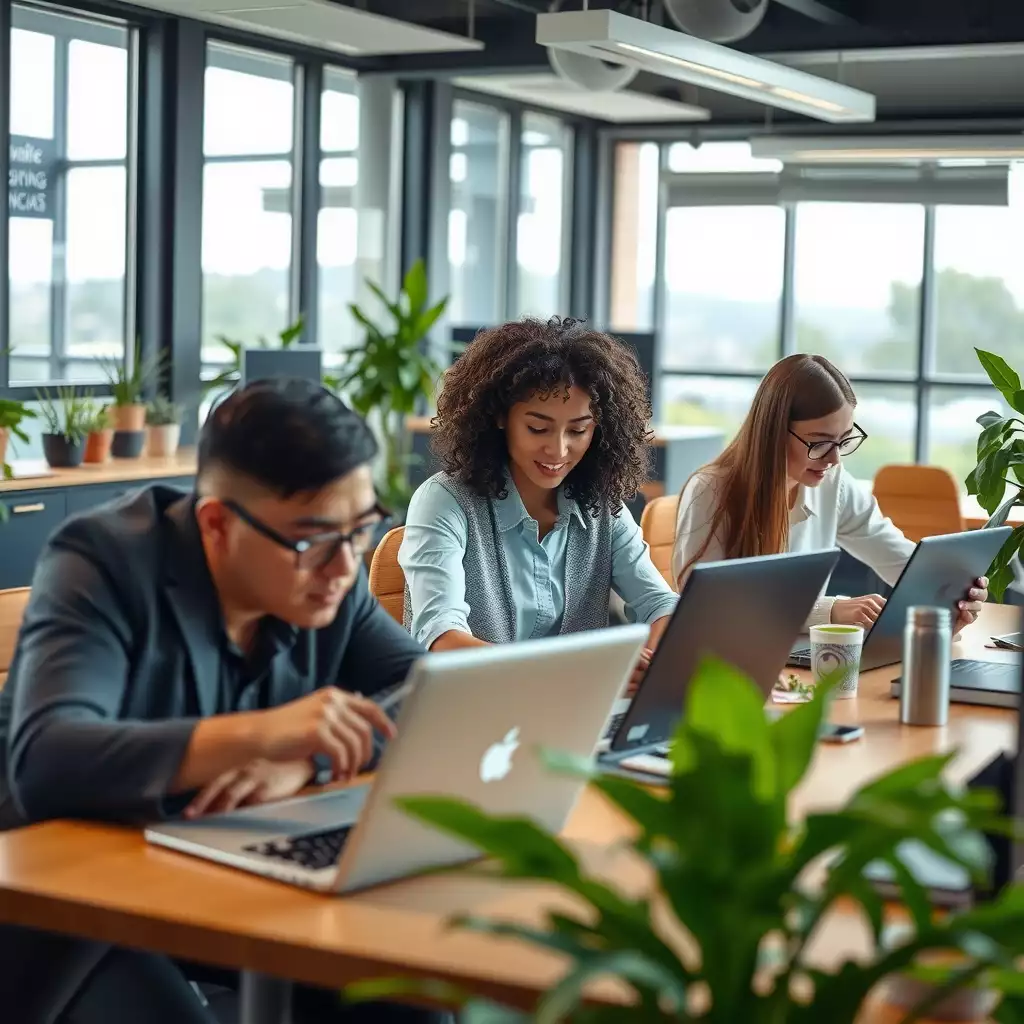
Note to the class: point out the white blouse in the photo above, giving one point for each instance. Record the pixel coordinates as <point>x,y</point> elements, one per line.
<point>839,511</point>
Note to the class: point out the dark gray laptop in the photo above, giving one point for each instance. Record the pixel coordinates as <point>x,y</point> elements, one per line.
<point>745,611</point>
<point>939,573</point>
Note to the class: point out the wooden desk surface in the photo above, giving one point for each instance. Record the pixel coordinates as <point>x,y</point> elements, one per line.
<point>34,475</point>
<point>106,883</point>
<point>976,517</point>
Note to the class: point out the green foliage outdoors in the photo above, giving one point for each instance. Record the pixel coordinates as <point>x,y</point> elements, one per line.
<point>732,870</point>
<point>998,478</point>
<point>391,372</point>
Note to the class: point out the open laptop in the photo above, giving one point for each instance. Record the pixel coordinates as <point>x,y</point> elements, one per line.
<point>948,884</point>
<point>745,611</point>
<point>939,573</point>
<point>469,728</point>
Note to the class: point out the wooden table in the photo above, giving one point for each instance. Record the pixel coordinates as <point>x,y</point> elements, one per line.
<point>975,517</point>
<point>35,474</point>
<point>105,883</point>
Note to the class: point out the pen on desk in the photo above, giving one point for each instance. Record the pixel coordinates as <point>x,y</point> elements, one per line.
<point>389,700</point>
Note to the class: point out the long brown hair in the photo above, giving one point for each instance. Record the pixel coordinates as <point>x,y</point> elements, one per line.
<point>750,475</point>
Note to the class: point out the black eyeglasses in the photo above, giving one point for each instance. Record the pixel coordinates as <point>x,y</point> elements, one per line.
<point>321,548</point>
<point>821,449</point>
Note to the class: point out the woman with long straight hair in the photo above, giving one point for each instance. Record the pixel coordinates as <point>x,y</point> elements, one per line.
<point>780,486</point>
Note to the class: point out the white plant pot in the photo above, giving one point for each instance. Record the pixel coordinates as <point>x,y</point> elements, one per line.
<point>163,441</point>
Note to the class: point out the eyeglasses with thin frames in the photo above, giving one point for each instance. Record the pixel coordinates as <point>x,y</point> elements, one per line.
<point>320,549</point>
<point>846,446</point>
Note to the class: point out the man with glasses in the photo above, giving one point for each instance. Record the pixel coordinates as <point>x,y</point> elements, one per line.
<point>194,653</point>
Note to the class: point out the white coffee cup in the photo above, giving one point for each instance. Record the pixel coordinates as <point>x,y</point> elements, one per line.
<point>835,648</point>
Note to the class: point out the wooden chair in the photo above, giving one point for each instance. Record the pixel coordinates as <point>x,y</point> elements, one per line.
<point>12,609</point>
<point>387,581</point>
<point>922,501</point>
<point>658,524</point>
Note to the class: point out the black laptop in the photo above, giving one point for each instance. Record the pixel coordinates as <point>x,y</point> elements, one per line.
<point>745,611</point>
<point>940,572</point>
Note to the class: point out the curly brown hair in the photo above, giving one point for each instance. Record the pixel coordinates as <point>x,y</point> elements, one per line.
<point>511,363</point>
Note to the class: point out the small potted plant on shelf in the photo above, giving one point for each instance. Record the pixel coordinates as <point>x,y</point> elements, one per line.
<point>127,383</point>
<point>11,415</point>
<point>67,418</point>
<point>99,436</point>
<point>163,427</point>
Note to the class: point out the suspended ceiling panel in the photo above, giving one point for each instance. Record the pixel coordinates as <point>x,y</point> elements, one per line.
<point>320,23</point>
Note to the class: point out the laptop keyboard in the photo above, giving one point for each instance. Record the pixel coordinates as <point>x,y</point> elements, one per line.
<point>313,850</point>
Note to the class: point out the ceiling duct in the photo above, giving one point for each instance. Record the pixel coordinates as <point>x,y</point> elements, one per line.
<point>589,73</point>
<point>721,21</point>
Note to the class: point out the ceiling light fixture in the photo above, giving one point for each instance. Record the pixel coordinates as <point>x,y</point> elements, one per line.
<point>611,36</point>
<point>875,149</point>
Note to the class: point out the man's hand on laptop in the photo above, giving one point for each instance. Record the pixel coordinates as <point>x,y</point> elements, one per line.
<point>969,609</point>
<point>331,722</point>
<point>259,782</point>
<point>857,611</point>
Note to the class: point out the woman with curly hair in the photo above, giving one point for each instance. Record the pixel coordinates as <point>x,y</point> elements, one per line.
<point>542,430</point>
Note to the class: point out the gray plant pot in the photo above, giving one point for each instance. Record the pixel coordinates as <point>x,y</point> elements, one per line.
<point>128,444</point>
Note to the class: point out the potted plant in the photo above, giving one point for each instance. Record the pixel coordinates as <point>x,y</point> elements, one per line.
<point>127,384</point>
<point>998,478</point>
<point>11,415</point>
<point>390,373</point>
<point>163,427</point>
<point>721,932</point>
<point>67,418</point>
<point>99,434</point>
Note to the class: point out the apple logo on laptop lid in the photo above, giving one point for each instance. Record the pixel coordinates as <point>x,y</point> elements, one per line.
<point>497,760</point>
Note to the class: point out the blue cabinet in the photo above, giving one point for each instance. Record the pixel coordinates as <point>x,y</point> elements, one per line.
<point>33,515</point>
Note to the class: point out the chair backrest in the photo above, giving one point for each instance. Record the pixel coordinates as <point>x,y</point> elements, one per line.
<point>922,501</point>
<point>387,581</point>
<point>658,524</point>
<point>12,609</point>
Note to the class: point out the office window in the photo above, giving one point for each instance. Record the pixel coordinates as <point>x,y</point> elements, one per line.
<point>247,180</point>
<point>888,414</point>
<point>541,230</point>
<point>477,219</point>
<point>338,229</point>
<point>634,236</point>
<point>952,427</point>
<point>722,283</point>
<point>717,402</point>
<point>68,196</point>
<point>713,157</point>
<point>979,287</point>
<point>858,284</point>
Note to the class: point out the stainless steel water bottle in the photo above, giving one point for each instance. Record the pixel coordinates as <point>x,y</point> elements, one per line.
<point>924,692</point>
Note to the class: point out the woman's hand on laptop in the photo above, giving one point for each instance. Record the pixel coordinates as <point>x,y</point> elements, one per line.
<point>857,611</point>
<point>969,609</point>
<point>259,782</point>
<point>642,665</point>
<point>331,722</point>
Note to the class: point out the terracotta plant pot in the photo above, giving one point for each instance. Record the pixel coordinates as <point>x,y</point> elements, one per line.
<point>4,436</point>
<point>129,417</point>
<point>163,441</point>
<point>61,453</point>
<point>97,445</point>
<point>128,444</point>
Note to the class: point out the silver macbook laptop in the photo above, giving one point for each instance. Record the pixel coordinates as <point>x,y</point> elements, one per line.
<point>470,727</point>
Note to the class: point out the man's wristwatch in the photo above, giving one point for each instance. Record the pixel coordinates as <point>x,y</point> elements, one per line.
<point>323,770</point>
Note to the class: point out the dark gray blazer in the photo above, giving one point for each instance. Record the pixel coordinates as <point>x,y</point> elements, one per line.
<point>117,659</point>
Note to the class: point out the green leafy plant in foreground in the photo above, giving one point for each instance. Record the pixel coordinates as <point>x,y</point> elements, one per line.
<point>998,479</point>
<point>732,871</point>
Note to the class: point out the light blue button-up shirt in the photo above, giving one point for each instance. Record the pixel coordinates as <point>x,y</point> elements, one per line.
<point>435,542</point>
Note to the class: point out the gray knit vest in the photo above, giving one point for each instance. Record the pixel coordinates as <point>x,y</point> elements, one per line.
<point>588,571</point>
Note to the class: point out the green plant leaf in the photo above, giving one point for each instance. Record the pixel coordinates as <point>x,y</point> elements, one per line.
<point>988,418</point>
<point>1005,379</point>
<point>293,333</point>
<point>393,308</point>
<point>415,287</point>
<point>999,517</point>
<point>794,739</point>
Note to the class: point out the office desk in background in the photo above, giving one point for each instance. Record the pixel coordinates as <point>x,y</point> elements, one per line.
<point>105,883</point>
